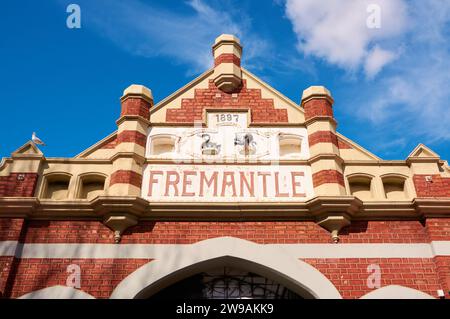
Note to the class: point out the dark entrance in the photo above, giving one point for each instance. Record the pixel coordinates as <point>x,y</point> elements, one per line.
<point>226,283</point>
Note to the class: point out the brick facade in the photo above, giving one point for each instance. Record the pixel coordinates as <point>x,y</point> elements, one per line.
<point>101,276</point>
<point>126,177</point>
<point>98,278</point>
<point>227,58</point>
<point>349,275</point>
<point>322,137</point>
<point>318,107</point>
<point>437,187</point>
<point>18,185</point>
<point>328,176</point>
<point>136,106</point>
<point>262,110</point>
<point>132,137</point>
<point>282,232</point>
<point>120,233</point>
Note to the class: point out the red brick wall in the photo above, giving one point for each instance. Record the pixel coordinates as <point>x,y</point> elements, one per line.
<point>6,264</point>
<point>262,110</point>
<point>328,176</point>
<point>438,187</point>
<point>136,106</point>
<point>282,232</point>
<point>132,137</point>
<point>98,277</point>
<point>318,107</point>
<point>437,229</point>
<point>10,230</point>
<point>18,185</point>
<point>227,58</point>
<point>443,272</point>
<point>322,137</point>
<point>126,177</point>
<point>350,275</point>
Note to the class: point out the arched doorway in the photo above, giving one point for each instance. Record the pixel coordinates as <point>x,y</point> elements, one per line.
<point>185,261</point>
<point>226,283</point>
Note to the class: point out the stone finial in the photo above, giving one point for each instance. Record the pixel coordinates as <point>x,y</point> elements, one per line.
<point>227,52</point>
<point>138,90</point>
<point>316,92</point>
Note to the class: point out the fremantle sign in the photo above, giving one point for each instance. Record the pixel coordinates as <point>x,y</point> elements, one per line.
<point>227,183</point>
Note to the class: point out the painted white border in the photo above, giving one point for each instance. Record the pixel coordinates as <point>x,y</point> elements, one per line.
<point>144,251</point>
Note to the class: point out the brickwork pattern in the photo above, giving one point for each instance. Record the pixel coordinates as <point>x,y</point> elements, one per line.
<point>18,185</point>
<point>262,110</point>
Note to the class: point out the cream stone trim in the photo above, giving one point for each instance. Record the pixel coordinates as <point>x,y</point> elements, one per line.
<point>124,189</point>
<point>323,148</point>
<point>330,189</point>
<point>21,152</point>
<point>272,90</point>
<point>318,126</point>
<point>422,147</point>
<point>226,49</point>
<point>316,92</point>
<point>137,89</point>
<point>358,147</point>
<point>160,251</point>
<point>134,125</point>
<point>97,208</point>
<point>57,292</point>
<point>82,176</point>
<point>296,275</point>
<point>96,146</point>
<point>130,147</point>
<point>396,292</point>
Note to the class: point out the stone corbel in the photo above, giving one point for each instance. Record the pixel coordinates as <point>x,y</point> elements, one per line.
<point>119,223</point>
<point>334,224</point>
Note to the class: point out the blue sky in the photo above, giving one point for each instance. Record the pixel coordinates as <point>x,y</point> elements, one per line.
<point>391,85</point>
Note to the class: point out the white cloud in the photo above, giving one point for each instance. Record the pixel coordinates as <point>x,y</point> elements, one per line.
<point>376,59</point>
<point>337,31</point>
<point>415,97</point>
<point>148,30</point>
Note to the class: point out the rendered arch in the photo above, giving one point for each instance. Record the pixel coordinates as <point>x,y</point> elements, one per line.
<point>397,292</point>
<point>57,292</point>
<point>273,263</point>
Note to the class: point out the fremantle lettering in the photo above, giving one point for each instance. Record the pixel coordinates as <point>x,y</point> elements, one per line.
<point>227,183</point>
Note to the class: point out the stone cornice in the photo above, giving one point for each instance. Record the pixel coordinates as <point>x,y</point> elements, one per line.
<point>98,208</point>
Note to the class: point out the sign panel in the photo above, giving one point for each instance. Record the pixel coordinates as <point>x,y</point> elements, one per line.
<point>226,183</point>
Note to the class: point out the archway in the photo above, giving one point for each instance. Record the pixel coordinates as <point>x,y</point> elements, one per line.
<point>189,260</point>
<point>396,292</point>
<point>226,283</point>
<point>57,292</point>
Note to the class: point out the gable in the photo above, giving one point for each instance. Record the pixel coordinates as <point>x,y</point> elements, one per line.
<point>188,105</point>
<point>104,149</point>
<point>422,151</point>
<point>29,149</point>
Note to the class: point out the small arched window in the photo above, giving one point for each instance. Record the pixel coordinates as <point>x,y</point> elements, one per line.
<point>162,145</point>
<point>394,186</point>
<point>361,186</point>
<point>290,145</point>
<point>56,186</point>
<point>91,186</point>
